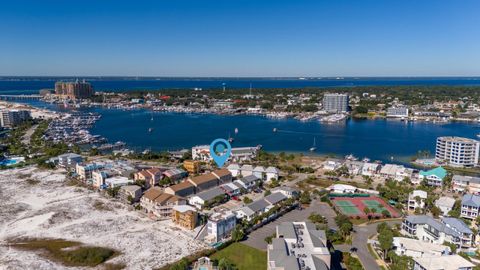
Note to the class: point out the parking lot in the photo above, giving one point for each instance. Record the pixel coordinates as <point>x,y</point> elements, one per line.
<point>256,239</point>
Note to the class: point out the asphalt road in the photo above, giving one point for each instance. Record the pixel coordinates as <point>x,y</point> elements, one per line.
<point>360,240</point>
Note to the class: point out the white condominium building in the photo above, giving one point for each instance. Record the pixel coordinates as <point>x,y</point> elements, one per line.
<point>337,103</point>
<point>457,151</point>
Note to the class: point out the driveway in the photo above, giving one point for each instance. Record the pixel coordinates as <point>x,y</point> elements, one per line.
<point>256,239</point>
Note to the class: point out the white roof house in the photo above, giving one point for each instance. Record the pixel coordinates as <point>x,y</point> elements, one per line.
<point>412,201</point>
<point>259,171</point>
<point>234,169</point>
<point>417,248</point>
<point>118,181</point>
<point>341,188</point>
<point>272,173</point>
<point>445,204</point>
<point>450,262</point>
<point>370,169</point>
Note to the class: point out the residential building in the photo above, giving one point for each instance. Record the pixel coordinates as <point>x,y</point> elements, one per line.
<point>182,189</point>
<point>354,167</point>
<point>98,179</point>
<point>130,193</point>
<point>220,225</point>
<point>192,166</point>
<point>74,90</point>
<point>272,173</point>
<point>159,204</point>
<point>11,118</point>
<point>417,248</point>
<point>185,216</point>
<point>397,112</point>
<point>259,172</point>
<point>231,189</point>
<point>151,176</point>
<point>457,151</point>
<point>430,230</point>
<point>332,164</point>
<point>234,169</point>
<point>416,199</point>
<point>238,154</point>
<point>248,182</point>
<point>260,206</point>
<point>84,171</point>
<point>298,245</point>
<point>445,204</point>
<point>450,262</point>
<point>370,169</point>
<point>117,181</point>
<point>434,177</point>
<point>203,198</point>
<point>68,160</point>
<point>246,170</point>
<point>468,184</point>
<point>470,206</point>
<point>289,192</point>
<point>175,175</point>
<point>336,103</point>
<point>393,171</point>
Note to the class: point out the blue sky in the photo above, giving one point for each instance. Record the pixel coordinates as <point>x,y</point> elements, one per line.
<point>240,38</point>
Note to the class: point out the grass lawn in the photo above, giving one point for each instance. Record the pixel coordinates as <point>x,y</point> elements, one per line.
<point>243,256</point>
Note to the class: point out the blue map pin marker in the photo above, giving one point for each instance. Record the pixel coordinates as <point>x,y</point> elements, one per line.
<point>220,150</point>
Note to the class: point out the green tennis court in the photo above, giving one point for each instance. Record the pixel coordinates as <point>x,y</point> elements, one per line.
<point>373,204</point>
<point>347,207</point>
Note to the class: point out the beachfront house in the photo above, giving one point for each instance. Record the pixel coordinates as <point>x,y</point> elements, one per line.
<point>68,160</point>
<point>175,175</point>
<point>159,204</point>
<point>130,193</point>
<point>332,164</point>
<point>354,167</point>
<point>182,189</point>
<point>185,216</point>
<point>246,170</point>
<point>259,172</point>
<point>434,177</point>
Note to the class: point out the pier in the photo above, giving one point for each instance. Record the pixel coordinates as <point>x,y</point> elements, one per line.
<point>24,97</point>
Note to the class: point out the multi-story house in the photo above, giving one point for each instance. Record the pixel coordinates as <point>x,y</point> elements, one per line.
<point>220,225</point>
<point>470,206</point>
<point>185,216</point>
<point>430,230</point>
<point>449,262</point>
<point>160,204</point>
<point>414,203</point>
<point>433,177</point>
<point>468,184</point>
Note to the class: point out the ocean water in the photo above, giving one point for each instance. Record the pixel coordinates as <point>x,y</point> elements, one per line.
<point>15,86</point>
<point>384,140</point>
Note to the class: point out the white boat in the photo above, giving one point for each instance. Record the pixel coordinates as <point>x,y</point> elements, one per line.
<point>314,147</point>
<point>236,130</point>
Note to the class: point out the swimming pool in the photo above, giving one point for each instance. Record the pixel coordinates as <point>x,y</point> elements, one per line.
<point>11,161</point>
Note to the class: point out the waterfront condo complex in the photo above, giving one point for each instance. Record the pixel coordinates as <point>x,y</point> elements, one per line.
<point>457,151</point>
<point>74,90</point>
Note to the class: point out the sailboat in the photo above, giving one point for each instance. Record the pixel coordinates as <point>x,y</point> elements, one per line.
<point>314,147</point>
